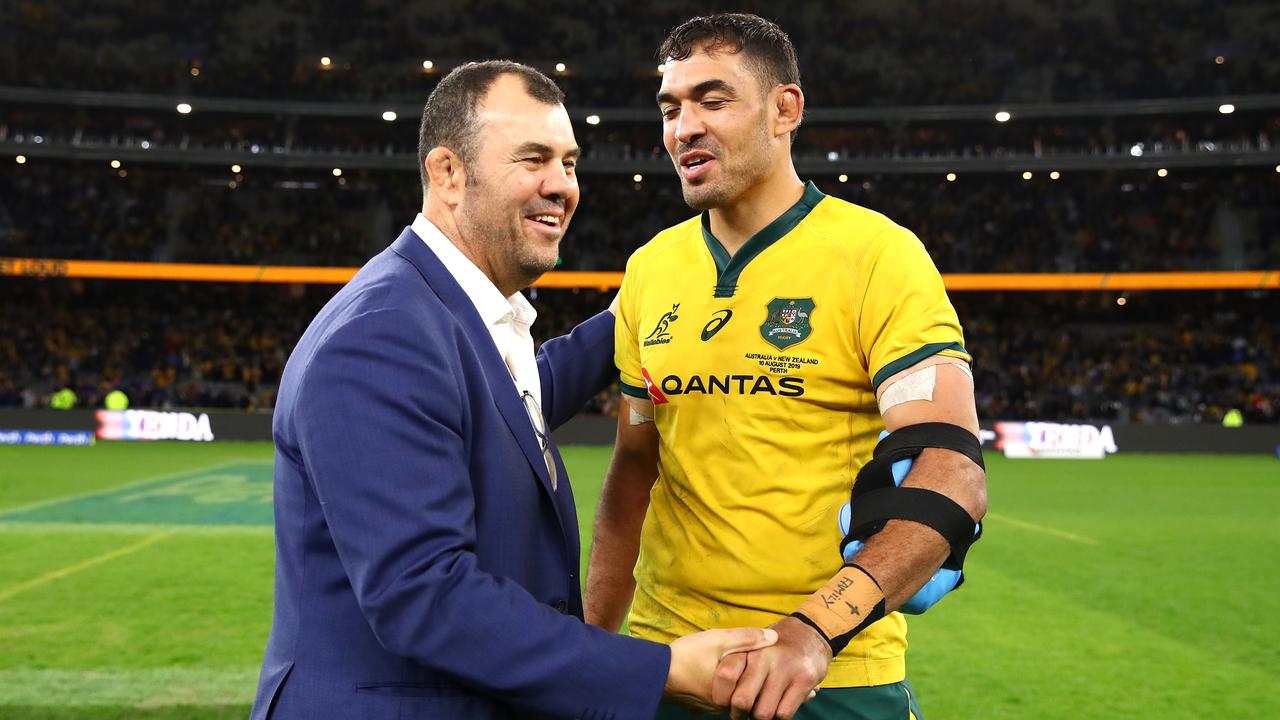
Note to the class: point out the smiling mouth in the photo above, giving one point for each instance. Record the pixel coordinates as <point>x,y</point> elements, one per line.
<point>551,221</point>
<point>696,168</point>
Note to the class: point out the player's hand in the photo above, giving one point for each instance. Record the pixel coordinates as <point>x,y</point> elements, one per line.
<point>776,681</point>
<point>694,659</point>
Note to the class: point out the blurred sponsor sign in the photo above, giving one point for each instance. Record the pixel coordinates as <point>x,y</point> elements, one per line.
<point>152,425</point>
<point>45,437</point>
<point>1054,440</point>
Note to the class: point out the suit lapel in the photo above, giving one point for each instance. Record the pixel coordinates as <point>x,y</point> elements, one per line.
<point>412,248</point>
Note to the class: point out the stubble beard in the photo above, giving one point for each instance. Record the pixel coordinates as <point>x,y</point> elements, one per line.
<point>733,181</point>
<point>500,237</point>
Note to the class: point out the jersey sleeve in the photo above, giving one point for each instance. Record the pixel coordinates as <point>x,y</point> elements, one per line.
<point>626,341</point>
<point>904,315</point>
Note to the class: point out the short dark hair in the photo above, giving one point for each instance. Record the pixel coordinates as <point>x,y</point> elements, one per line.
<point>762,42</point>
<point>449,117</point>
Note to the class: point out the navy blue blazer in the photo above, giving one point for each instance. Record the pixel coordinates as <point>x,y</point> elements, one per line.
<point>424,566</point>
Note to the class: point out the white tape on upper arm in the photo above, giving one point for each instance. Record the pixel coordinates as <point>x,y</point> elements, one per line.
<point>916,382</point>
<point>916,385</point>
<point>639,411</point>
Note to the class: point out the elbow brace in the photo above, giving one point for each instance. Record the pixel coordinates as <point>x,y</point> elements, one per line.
<point>876,498</point>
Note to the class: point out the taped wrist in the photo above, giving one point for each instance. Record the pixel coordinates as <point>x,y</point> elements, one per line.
<point>844,607</point>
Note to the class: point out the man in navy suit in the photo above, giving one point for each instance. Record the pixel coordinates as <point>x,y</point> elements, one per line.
<point>426,539</point>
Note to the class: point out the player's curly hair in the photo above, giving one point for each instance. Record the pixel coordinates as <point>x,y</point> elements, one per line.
<point>763,44</point>
<point>760,40</point>
<point>449,117</point>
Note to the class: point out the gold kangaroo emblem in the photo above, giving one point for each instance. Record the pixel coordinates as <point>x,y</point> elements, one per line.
<point>666,320</point>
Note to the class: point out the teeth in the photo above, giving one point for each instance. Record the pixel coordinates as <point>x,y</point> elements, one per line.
<point>547,219</point>
<point>696,162</point>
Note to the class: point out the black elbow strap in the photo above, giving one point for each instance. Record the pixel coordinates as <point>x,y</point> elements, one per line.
<point>878,507</point>
<point>911,440</point>
<point>876,498</point>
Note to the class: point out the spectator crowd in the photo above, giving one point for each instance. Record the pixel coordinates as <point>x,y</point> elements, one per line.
<point>1159,357</point>
<point>918,52</point>
<point>1083,222</point>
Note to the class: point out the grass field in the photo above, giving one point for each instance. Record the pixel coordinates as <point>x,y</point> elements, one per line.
<point>135,582</point>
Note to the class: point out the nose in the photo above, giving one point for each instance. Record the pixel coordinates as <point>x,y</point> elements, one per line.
<point>560,184</point>
<point>689,125</point>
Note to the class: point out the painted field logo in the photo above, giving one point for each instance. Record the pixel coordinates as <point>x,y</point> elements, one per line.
<point>787,322</point>
<point>660,336</point>
<point>234,494</point>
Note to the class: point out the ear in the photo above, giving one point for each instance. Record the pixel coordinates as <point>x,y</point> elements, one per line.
<point>788,102</point>
<point>446,175</point>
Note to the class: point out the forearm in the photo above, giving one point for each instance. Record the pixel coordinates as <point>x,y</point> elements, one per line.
<point>615,546</point>
<point>904,555</point>
<point>610,583</point>
<point>624,500</point>
<point>899,559</point>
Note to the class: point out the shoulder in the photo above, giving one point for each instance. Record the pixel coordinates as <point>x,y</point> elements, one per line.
<point>673,240</point>
<point>855,229</point>
<point>386,304</point>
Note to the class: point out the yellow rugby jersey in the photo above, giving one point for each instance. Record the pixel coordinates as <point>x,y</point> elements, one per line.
<point>763,368</point>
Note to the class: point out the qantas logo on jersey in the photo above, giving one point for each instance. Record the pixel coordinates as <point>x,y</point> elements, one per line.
<point>654,393</point>
<point>723,385</point>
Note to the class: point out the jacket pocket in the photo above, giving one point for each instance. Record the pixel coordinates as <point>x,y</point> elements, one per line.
<point>409,689</point>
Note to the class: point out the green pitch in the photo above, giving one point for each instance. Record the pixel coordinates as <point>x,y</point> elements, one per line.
<point>135,582</point>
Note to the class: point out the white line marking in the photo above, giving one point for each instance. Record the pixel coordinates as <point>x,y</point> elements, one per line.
<point>60,573</point>
<point>1006,520</point>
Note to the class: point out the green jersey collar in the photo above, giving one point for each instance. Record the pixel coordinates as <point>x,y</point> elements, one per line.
<point>729,268</point>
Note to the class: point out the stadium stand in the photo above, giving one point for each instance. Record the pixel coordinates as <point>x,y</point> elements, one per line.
<point>911,53</point>
<point>1149,152</point>
<point>112,127</point>
<point>1160,357</point>
<point>1093,221</point>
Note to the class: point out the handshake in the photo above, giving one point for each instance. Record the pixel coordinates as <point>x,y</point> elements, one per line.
<point>749,672</point>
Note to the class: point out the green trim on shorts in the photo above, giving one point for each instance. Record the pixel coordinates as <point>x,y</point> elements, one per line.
<point>896,701</point>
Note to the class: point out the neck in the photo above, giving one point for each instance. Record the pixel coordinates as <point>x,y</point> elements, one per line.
<point>735,223</point>
<point>470,247</point>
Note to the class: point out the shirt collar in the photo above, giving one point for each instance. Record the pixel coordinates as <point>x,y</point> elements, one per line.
<point>494,309</point>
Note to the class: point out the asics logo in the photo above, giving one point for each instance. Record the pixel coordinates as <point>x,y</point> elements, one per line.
<point>718,320</point>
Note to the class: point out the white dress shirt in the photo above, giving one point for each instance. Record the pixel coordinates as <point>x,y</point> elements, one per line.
<point>508,319</point>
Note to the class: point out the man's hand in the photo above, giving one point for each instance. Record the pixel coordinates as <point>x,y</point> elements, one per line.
<point>774,682</point>
<point>695,658</point>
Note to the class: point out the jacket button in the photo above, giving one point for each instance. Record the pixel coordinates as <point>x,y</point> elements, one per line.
<point>561,606</point>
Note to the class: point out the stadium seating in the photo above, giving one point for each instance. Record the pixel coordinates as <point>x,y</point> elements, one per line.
<point>1150,166</point>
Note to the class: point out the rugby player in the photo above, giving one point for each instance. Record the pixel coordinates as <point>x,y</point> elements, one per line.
<point>762,346</point>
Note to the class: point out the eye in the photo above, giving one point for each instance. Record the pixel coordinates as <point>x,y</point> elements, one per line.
<point>670,113</point>
<point>570,164</point>
<point>713,104</point>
